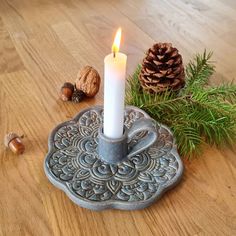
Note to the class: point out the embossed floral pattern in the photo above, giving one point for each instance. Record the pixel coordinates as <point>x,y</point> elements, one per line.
<point>73,162</point>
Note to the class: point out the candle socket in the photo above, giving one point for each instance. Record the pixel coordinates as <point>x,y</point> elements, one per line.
<point>116,150</point>
<point>112,150</point>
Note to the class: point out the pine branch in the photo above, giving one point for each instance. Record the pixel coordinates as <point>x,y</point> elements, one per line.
<point>215,105</point>
<point>198,71</point>
<point>199,114</point>
<point>188,140</point>
<point>226,92</point>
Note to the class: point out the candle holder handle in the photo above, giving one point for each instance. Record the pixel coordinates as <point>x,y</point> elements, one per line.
<point>142,125</point>
<point>116,150</point>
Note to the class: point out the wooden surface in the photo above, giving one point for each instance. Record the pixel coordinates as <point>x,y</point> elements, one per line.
<point>44,43</point>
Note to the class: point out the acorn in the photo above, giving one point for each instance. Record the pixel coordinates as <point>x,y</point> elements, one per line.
<point>13,141</point>
<point>66,91</point>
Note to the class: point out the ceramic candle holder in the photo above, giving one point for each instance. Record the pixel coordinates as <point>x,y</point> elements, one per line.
<point>98,173</point>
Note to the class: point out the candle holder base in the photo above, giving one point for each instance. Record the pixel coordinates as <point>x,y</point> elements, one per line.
<point>74,166</point>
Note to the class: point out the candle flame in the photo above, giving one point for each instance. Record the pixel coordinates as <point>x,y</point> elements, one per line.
<point>116,43</point>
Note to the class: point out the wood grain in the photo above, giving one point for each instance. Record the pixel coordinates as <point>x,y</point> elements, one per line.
<point>43,44</point>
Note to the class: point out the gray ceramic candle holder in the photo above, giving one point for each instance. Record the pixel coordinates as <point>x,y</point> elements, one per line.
<point>99,173</point>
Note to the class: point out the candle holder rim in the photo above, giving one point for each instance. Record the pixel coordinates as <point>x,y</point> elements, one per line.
<point>124,135</point>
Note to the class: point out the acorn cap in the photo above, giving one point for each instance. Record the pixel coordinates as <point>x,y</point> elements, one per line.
<point>78,96</point>
<point>68,85</point>
<point>9,137</point>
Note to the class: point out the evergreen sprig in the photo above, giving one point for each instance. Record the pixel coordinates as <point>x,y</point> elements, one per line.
<point>199,114</point>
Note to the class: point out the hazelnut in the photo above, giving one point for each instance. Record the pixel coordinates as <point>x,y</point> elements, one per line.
<point>88,80</point>
<point>14,142</point>
<point>66,91</point>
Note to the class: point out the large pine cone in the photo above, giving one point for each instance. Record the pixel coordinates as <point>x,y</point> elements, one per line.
<point>162,69</point>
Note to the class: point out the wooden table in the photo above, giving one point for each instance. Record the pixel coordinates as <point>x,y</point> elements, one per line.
<point>44,43</point>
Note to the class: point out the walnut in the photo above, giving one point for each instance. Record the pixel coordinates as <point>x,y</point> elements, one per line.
<point>88,81</point>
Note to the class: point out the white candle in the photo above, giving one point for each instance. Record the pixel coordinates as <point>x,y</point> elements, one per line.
<point>114,90</point>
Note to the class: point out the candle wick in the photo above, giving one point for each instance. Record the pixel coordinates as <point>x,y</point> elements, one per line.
<point>114,54</point>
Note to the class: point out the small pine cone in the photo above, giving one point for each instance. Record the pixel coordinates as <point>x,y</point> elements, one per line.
<point>162,69</point>
<point>78,96</point>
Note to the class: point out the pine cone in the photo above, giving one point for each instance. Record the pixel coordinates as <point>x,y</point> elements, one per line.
<point>162,69</point>
<point>77,96</point>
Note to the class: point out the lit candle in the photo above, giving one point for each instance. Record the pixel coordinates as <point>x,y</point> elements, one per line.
<point>114,90</point>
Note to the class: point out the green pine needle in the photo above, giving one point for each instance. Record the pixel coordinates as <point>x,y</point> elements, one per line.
<point>199,114</point>
<point>199,71</point>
